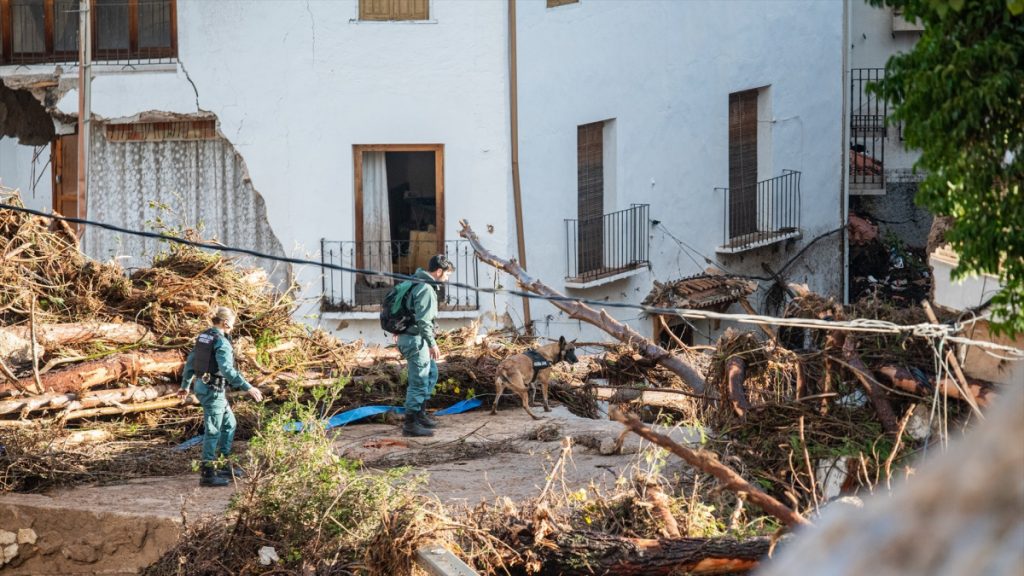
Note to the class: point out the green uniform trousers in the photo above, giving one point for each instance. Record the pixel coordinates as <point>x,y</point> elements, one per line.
<point>218,425</point>
<point>422,371</point>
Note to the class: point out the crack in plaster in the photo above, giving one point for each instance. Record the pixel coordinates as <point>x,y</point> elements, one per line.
<point>312,26</point>
<point>194,88</point>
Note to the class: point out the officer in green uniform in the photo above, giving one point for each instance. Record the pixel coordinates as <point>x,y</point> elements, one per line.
<point>212,364</point>
<point>419,348</point>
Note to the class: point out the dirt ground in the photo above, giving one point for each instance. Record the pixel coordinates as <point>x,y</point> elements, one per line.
<point>117,529</point>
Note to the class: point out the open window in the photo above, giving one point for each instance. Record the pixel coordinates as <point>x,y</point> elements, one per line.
<point>399,212</point>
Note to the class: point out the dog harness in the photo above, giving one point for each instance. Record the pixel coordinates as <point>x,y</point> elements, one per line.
<point>539,363</point>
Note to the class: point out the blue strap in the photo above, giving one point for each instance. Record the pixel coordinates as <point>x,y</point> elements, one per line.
<point>355,414</point>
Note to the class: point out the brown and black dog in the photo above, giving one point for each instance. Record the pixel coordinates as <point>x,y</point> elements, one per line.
<point>519,372</point>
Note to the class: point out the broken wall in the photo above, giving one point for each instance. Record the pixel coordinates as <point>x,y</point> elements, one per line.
<point>168,186</point>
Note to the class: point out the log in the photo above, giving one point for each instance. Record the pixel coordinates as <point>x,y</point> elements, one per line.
<point>736,373</point>
<point>54,335</point>
<point>169,402</point>
<point>129,395</point>
<point>901,378</point>
<point>875,391</point>
<point>708,462</point>
<point>594,553</point>
<point>579,311</point>
<point>96,373</point>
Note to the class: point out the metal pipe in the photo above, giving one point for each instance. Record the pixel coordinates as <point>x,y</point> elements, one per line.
<point>844,181</point>
<point>84,108</point>
<point>513,92</point>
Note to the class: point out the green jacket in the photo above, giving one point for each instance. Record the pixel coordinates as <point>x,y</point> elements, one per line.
<point>225,358</point>
<point>424,307</point>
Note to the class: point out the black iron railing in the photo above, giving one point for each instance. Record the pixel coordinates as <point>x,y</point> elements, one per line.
<point>867,130</point>
<point>608,245</point>
<point>351,292</point>
<point>123,33</point>
<point>762,212</point>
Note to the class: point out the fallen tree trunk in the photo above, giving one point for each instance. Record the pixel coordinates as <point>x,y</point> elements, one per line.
<point>52,335</point>
<point>709,462</point>
<point>130,395</point>
<point>882,406</point>
<point>736,373</point>
<point>96,373</point>
<point>594,553</point>
<point>901,378</point>
<point>580,311</point>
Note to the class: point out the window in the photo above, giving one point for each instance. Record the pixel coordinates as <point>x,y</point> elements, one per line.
<point>557,3</point>
<point>742,163</point>
<point>39,31</point>
<point>590,194</point>
<point>388,10</point>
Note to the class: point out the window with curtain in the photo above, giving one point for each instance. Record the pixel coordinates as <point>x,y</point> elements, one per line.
<point>122,30</point>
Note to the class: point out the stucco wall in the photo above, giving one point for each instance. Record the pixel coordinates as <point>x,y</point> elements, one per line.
<point>16,171</point>
<point>664,71</point>
<point>295,85</point>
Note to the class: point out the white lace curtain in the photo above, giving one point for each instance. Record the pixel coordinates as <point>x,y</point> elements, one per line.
<point>377,248</point>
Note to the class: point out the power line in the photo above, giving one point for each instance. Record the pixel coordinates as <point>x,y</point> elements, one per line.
<point>859,325</point>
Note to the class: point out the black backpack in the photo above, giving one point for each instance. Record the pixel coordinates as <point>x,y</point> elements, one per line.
<point>396,313</point>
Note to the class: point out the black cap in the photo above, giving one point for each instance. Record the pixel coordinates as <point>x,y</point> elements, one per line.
<point>440,262</point>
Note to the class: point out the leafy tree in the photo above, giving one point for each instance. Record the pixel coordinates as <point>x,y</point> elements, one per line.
<point>960,95</point>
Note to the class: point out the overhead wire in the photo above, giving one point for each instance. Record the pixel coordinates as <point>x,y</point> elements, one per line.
<point>857,325</point>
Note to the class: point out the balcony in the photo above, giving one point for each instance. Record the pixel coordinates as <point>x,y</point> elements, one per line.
<point>608,248</point>
<point>868,133</point>
<point>349,292</point>
<point>761,214</point>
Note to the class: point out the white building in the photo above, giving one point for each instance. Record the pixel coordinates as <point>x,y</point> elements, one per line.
<point>361,131</point>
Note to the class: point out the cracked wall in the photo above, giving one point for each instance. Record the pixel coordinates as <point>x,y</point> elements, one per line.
<point>24,117</point>
<point>167,186</point>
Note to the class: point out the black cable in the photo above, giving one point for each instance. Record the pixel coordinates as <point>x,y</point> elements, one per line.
<point>363,271</point>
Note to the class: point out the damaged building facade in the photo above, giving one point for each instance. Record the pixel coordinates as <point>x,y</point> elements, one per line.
<point>656,140</point>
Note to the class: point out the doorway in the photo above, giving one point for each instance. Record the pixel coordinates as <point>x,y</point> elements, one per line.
<point>399,211</point>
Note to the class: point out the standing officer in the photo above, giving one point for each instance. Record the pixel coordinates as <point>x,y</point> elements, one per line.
<point>212,363</point>
<point>419,348</point>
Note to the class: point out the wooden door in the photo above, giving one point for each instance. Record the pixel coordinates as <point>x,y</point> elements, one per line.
<point>742,163</point>
<point>64,159</point>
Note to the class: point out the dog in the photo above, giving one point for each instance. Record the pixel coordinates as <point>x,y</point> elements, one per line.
<point>519,372</point>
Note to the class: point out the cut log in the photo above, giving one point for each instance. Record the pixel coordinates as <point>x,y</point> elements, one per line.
<point>736,373</point>
<point>901,378</point>
<point>708,462</point>
<point>603,554</point>
<point>53,335</point>
<point>579,311</point>
<point>96,373</point>
<point>130,395</point>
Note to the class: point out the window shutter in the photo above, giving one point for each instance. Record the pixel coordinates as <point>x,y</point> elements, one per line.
<point>742,163</point>
<point>384,10</point>
<point>590,195</point>
<point>374,9</point>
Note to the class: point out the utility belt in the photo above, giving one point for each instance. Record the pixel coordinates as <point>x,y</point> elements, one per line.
<point>215,382</point>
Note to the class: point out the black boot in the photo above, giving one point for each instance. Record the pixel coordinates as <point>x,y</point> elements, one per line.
<point>425,419</point>
<point>209,477</point>
<point>231,471</point>
<point>412,426</point>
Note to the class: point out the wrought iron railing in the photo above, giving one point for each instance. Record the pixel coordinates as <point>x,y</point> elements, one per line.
<point>867,129</point>
<point>609,244</point>
<point>123,33</point>
<point>762,212</point>
<point>352,292</point>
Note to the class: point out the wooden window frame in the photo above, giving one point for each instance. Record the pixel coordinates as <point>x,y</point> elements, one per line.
<point>7,55</point>
<point>557,3</point>
<point>394,13</point>
<point>357,159</point>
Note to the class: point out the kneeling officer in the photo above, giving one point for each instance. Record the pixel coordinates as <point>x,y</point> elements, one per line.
<point>212,364</point>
